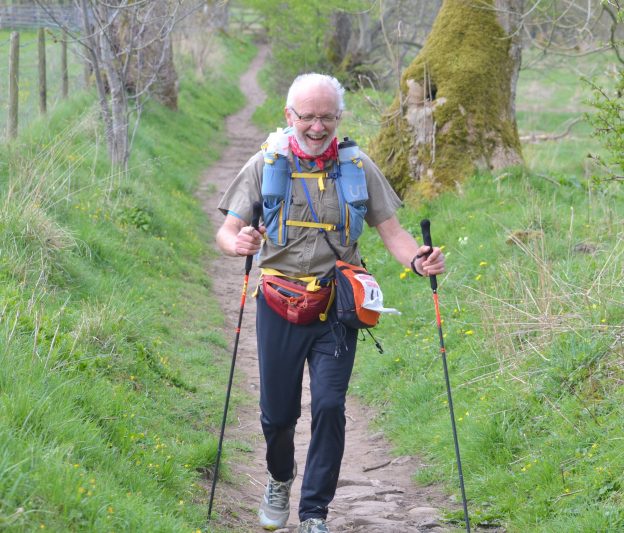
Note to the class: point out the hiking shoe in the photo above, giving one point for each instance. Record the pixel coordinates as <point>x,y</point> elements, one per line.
<point>275,505</point>
<point>313,525</point>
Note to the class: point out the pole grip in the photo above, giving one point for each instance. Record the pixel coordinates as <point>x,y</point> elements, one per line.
<point>255,221</point>
<point>425,227</point>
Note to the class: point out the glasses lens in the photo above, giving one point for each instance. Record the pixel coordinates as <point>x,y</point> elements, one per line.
<point>328,120</point>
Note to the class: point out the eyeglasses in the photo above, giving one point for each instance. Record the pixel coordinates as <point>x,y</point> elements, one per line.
<point>326,120</point>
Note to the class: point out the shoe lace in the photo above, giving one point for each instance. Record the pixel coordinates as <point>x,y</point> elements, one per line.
<point>279,493</point>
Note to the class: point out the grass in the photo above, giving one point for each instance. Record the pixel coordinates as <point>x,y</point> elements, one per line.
<point>533,329</point>
<point>112,369</point>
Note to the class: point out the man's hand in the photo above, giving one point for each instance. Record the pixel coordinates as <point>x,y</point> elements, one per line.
<point>235,238</point>
<point>429,262</point>
<point>248,240</point>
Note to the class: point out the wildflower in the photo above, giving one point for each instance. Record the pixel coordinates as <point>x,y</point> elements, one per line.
<point>469,332</point>
<point>110,510</point>
<point>478,277</point>
<point>402,275</point>
<point>483,263</point>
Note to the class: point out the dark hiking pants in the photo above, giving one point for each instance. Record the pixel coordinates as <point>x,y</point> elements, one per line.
<point>283,349</point>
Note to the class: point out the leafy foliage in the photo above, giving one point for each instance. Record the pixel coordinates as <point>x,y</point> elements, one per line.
<point>608,123</point>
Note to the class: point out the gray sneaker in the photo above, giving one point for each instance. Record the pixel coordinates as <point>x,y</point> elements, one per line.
<point>275,505</point>
<point>313,525</point>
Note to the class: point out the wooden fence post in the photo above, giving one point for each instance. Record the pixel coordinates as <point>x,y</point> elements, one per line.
<point>13,86</point>
<point>43,88</point>
<point>64,72</point>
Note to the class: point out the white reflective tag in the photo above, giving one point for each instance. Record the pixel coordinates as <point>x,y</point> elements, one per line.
<point>373,297</point>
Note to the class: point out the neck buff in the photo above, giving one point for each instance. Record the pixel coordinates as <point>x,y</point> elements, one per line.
<point>330,153</point>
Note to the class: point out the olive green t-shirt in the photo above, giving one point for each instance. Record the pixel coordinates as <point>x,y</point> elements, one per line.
<point>306,252</point>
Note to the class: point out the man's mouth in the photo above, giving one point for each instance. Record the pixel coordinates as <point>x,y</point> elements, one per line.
<point>317,137</point>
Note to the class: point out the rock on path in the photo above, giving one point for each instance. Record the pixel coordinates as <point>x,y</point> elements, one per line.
<point>375,491</point>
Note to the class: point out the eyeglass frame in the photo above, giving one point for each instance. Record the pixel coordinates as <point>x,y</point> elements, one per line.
<point>332,119</point>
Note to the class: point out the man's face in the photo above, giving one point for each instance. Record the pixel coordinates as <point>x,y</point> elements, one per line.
<point>314,135</point>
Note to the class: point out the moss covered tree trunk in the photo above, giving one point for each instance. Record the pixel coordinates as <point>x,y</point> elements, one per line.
<point>455,111</point>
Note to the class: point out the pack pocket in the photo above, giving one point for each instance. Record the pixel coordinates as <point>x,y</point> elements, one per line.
<point>293,302</point>
<point>354,223</point>
<point>355,286</point>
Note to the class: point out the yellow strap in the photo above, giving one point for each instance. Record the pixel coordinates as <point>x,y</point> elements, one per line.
<point>304,224</point>
<point>319,175</point>
<point>309,174</point>
<point>312,282</point>
<point>323,316</point>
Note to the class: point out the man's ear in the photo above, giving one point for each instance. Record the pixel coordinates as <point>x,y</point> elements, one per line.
<point>288,115</point>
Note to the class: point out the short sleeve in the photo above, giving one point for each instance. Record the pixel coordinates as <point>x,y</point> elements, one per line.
<point>244,190</point>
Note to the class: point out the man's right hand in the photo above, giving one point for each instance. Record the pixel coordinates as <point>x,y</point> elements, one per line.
<point>248,240</point>
<point>238,239</point>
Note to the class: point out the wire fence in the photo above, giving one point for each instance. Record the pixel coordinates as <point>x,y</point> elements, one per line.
<point>38,69</point>
<point>14,17</point>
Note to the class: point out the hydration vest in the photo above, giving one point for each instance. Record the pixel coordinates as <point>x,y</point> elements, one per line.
<point>277,179</point>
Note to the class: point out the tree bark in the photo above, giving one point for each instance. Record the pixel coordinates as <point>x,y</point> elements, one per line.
<point>455,111</point>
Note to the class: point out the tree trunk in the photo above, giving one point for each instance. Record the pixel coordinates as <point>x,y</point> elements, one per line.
<point>455,110</point>
<point>349,45</point>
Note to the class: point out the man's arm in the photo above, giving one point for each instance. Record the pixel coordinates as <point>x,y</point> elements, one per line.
<point>236,237</point>
<point>404,248</point>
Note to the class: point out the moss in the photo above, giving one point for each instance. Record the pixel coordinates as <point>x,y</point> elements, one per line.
<point>466,58</point>
<point>391,149</point>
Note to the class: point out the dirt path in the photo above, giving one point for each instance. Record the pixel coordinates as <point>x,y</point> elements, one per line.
<point>375,491</point>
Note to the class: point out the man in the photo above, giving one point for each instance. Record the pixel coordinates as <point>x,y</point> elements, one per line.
<point>301,245</point>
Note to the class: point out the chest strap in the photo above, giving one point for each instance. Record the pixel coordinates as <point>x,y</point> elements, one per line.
<point>320,176</point>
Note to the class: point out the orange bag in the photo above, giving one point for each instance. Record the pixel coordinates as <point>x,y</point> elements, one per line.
<point>352,284</point>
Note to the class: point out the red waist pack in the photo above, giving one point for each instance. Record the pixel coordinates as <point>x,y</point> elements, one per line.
<point>294,303</point>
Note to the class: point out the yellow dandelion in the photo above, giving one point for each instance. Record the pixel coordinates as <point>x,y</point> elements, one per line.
<point>483,263</point>
<point>478,277</point>
<point>469,332</point>
<point>402,275</point>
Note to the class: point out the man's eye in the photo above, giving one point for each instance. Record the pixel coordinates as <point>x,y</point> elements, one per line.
<point>307,118</point>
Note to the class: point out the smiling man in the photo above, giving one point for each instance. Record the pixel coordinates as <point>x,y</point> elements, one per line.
<point>310,218</point>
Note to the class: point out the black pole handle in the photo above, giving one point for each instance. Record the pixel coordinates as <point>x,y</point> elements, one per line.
<point>425,227</point>
<point>255,221</point>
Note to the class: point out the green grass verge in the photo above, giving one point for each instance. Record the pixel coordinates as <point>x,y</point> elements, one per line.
<point>112,369</point>
<point>532,307</point>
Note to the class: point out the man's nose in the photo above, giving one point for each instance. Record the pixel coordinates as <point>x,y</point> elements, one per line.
<point>317,125</point>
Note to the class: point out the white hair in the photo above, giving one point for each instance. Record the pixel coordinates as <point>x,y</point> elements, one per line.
<point>314,78</point>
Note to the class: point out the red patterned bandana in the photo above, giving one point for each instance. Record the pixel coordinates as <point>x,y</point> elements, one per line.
<point>330,153</point>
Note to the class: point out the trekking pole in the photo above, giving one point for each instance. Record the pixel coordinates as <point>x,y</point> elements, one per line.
<point>257,206</point>
<point>426,233</point>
